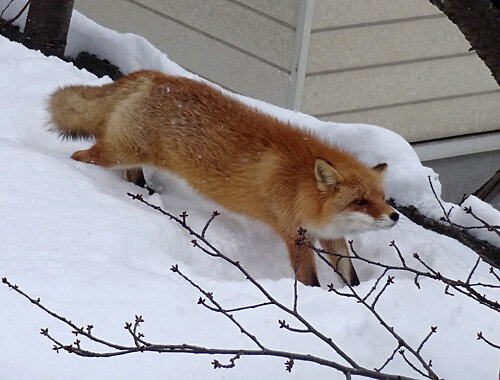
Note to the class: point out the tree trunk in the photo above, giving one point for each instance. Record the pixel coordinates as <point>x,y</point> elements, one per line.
<point>47,26</point>
<point>479,22</point>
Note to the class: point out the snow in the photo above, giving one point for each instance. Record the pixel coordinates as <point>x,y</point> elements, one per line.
<point>70,235</point>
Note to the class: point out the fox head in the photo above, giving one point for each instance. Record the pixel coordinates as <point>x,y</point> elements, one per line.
<point>350,201</point>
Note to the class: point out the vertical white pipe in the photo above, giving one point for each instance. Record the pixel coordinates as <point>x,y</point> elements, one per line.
<point>300,55</point>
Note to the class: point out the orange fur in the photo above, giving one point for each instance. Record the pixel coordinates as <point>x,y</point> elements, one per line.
<point>243,159</point>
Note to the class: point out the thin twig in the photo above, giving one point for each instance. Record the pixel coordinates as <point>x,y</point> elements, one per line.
<point>468,210</point>
<point>389,359</point>
<point>6,22</point>
<point>374,287</point>
<point>473,270</point>
<point>6,7</point>
<point>446,214</point>
<point>480,336</point>
<point>249,307</point>
<point>492,271</point>
<point>286,326</point>
<point>390,280</point>
<point>393,244</point>
<point>214,215</point>
<point>295,273</point>
<point>402,353</point>
<point>433,331</point>
<point>231,364</point>
<point>218,307</point>
<point>486,225</point>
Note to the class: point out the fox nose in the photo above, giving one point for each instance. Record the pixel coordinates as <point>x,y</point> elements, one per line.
<point>394,216</point>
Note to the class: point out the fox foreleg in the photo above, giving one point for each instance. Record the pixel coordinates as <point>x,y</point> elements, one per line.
<point>304,263</point>
<point>342,263</point>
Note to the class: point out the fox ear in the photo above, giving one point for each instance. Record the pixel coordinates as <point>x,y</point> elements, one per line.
<point>326,175</point>
<point>381,168</point>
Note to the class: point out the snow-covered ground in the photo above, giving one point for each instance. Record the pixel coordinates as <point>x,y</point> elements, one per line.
<point>70,235</point>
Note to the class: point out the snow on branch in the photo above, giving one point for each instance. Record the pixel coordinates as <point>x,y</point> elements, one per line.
<point>484,225</point>
<point>484,249</point>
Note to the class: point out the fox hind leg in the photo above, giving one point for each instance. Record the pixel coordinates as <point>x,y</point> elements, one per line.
<point>99,154</point>
<point>136,176</point>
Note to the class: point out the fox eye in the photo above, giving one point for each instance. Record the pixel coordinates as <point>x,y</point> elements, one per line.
<point>361,202</point>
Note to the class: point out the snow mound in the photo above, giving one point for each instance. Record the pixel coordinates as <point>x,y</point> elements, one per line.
<point>70,235</point>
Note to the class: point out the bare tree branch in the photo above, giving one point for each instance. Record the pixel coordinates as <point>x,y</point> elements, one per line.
<point>320,253</point>
<point>468,210</point>
<point>410,355</point>
<point>218,308</point>
<point>463,287</point>
<point>486,250</point>
<point>210,250</point>
<point>144,346</point>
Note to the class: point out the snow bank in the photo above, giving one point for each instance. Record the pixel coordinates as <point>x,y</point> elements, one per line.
<point>70,235</point>
<point>406,179</point>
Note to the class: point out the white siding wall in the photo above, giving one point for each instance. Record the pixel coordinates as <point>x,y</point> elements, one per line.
<point>400,64</point>
<point>245,46</point>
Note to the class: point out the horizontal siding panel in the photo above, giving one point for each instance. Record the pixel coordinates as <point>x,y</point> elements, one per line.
<point>381,44</point>
<point>387,85</point>
<point>338,13</point>
<point>195,52</point>
<point>426,121</point>
<point>233,24</point>
<point>283,10</point>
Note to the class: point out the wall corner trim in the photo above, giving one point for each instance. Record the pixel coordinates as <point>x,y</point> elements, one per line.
<point>300,55</point>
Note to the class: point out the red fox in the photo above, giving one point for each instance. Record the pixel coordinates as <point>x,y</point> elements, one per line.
<point>243,159</point>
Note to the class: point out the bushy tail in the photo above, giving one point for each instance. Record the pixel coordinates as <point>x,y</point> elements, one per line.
<point>81,111</point>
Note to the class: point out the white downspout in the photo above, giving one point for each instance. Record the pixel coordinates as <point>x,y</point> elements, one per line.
<point>300,55</point>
